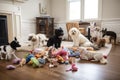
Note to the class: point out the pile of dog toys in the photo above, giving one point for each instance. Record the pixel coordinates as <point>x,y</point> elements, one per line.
<point>52,57</point>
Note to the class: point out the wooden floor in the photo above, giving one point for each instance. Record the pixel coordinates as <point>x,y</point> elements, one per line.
<point>86,71</point>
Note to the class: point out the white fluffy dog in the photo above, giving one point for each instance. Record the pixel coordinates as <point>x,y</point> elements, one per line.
<point>78,38</point>
<point>92,56</point>
<point>37,40</point>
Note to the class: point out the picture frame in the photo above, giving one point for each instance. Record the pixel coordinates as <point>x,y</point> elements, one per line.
<point>42,9</point>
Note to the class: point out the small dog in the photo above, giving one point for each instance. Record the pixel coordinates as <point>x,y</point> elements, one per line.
<point>92,56</point>
<point>37,40</point>
<point>99,42</point>
<point>56,39</point>
<point>109,33</point>
<point>9,50</point>
<point>78,38</point>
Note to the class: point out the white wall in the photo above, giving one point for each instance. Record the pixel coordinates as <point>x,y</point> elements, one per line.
<point>58,10</point>
<point>30,9</point>
<point>111,9</point>
<point>29,12</point>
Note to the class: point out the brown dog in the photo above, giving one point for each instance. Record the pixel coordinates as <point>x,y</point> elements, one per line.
<point>99,42</point>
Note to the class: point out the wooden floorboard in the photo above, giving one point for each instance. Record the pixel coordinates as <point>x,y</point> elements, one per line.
<point>87,70</point>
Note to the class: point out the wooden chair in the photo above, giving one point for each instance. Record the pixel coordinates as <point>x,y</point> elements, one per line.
<point>70,25</point>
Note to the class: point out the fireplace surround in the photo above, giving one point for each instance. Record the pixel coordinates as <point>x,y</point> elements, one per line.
<point>13,16</point>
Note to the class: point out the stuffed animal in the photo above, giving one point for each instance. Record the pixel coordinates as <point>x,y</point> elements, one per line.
<point>35,62</point>
<point>71,60</point>
<point>63,54</point>
<point>10,67</point>
<point>73,68</point>
<point>60,59</point>
<point>22,62</point>
<point>16,61</point>
<point>29,57</point>
<point>52,63</point>
<point>92,56</point>
<point>56,39</point>
<point>42,61</point>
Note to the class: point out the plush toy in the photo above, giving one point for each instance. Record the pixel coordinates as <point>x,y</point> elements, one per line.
<point>71,60</point>
<point>29,57</point>
<point>16,61</point>
<point>52,64</point>
<point>63,54</point>
<point>73,68</point>
<point>22,62</point>
<point>37,50</point>
<point>93,56</point>
<point>52,52</point>
<point>74,54</point>
<point>35,62</point>
<point>10,67</point>
<point>60,59</point>
<point>37,55</point>
<point>42,61</point>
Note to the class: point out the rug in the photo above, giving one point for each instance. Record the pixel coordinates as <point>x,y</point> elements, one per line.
<point>105,50</point>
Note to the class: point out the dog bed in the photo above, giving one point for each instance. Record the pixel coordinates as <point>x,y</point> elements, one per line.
<point>105,50</point>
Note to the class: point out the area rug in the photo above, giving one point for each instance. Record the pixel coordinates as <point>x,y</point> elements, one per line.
<point>105,50</point>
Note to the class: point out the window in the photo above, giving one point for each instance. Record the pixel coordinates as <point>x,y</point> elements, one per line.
<point>90,9</point>
<point>74,9</point>
<point>83,9</point>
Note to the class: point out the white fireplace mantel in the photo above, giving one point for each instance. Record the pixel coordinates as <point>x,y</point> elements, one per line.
<point>13,14</point>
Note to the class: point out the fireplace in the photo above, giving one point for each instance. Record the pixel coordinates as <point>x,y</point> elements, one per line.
<point>10,22</point>
<point>3,30</point>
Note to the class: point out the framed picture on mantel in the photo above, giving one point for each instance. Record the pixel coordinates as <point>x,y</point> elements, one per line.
<point>42,9</point>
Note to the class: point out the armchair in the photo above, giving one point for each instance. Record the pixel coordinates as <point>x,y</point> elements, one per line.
<point>70,25</point>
